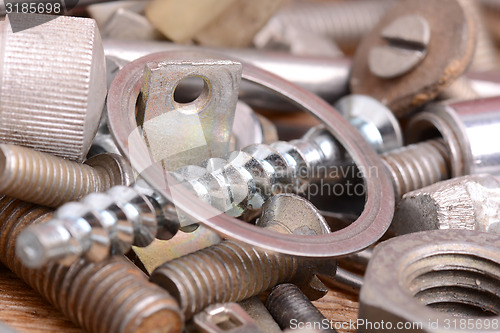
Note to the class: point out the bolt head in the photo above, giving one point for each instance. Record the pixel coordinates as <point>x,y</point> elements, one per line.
<point>407,39</point>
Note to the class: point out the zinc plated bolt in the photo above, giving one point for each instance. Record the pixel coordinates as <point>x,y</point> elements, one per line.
<point>289,163</point>
<point>288,304</point>
<point>240,186</point>
<point>50,181</point>
<point>111,296</point>
<point>231,271</point>
<point>469,202</point>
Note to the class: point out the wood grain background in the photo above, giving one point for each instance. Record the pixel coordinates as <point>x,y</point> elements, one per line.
<point>24,310</point>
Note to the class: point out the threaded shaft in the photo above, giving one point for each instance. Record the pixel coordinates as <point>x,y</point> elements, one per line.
<point>287,302</point>
<point>345,23</point>
<point>50,181</point>
<point>101,225</point>
<point>226,272</point>
<point>112,296</point>
<point>415,166</point>
<point>240,184</point>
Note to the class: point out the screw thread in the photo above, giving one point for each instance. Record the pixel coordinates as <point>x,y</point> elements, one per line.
<point>112,296</point>
<point>48,180</point>
<point>286,302</point>
<point>418,165</point>
<point>226,272</point>
<point>101,225</point>
<point>240,184</point>
<point>344,23</point>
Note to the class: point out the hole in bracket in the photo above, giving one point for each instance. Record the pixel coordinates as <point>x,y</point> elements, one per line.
<point>189,89</point>
<point>200,102</point>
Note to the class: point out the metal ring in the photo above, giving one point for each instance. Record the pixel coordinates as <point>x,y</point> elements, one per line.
<point>368,228</point>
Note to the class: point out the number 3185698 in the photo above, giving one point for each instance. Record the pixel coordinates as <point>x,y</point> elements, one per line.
<point>33,8</point>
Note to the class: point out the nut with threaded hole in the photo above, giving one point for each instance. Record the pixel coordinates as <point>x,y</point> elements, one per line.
<point>111,296</point>
<point>47,180</point>
<point>231,271</point>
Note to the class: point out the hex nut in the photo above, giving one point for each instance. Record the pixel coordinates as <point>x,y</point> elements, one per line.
<point>432,277</point>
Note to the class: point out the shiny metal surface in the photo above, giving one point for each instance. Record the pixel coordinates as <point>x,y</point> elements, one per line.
<point>372,223</point>
<point>428,279</point>
<point>101,225</point>
<point>324,76</point>
<point>376,123</point>
<point>471,130</point>
<point>53,88</point>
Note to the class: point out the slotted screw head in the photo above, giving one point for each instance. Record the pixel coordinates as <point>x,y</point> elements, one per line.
<point>53,85</point>
<point>407,39</point>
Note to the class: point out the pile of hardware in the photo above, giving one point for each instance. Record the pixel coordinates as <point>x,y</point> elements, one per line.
<point>219,165</point>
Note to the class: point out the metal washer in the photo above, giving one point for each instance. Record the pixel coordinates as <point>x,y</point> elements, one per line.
<point>368,228</point>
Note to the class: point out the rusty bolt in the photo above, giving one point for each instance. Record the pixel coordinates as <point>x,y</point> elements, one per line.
<point>112,296</point>
<point>50,181</point>
<point>232,271</point>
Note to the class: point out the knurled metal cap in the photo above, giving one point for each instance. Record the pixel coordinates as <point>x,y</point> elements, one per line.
<point>53,84</point>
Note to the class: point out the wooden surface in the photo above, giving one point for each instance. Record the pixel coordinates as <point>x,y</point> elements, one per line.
<point>24,310</point>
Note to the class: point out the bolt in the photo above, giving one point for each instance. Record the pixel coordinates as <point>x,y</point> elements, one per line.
<point>401,44</point>
<point>101,225</point>
<point>51,97</point>
<point>50,181</point>
<point>345,23</point>
<point>326,77</point>
<point>417,165</point>
<point>179,134</point>
<point>240,187</point>
<point>408,38</point>
<point>231,271</point>
<point>288,304</point>
<point>469,202</point>
<point>112,296</point>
